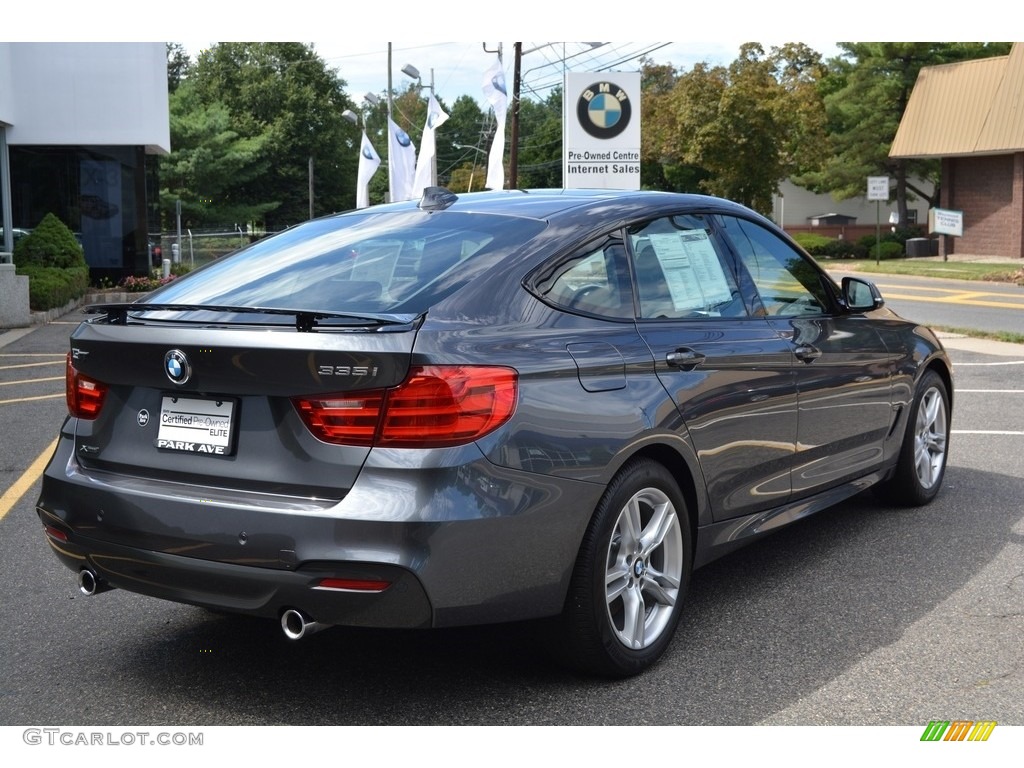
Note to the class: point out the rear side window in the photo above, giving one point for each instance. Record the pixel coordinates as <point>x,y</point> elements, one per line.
<point>594,281</point>
<point>382,263</point>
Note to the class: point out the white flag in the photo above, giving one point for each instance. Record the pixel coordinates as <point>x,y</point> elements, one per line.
<point>401,163</point>
<point>428,148</point>
<point>496,93</point>
<point>369,162</point>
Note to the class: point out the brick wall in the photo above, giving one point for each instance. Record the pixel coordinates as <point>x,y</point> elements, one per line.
<point>990,192</point>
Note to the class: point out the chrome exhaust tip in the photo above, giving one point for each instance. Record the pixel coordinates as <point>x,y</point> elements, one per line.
<point>90,584</point>
<point>297,625</point>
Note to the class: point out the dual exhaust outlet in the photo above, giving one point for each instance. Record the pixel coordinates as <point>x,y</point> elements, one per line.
<point>90,584</point>
<point>295,624</point>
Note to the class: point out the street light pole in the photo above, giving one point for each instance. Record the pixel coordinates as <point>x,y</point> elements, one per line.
<point>414,73</point>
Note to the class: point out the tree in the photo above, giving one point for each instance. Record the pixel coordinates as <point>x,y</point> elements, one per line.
<point>210,165</point>
<point>178,63</point>
<point>460,145</point>
<point>284,93</point>
<point>866,95</point>
<point>540,142</point>
<point>738,137</point>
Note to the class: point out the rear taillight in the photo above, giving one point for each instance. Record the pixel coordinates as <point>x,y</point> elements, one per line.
<point>84,395</point>
<point>436,406</point>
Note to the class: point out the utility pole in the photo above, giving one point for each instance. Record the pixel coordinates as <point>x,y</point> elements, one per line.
<point>513,151</point>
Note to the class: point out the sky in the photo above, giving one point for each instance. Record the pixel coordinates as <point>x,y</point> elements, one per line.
<point>458,67</point>
<point>343,34</point>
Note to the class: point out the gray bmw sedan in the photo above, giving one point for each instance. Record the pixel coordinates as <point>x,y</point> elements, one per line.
<point>485,408</point>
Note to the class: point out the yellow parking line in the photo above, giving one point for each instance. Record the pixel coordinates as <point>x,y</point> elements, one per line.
<point>31,381</point>
<point>957,300</point>
<point>13,494</point>
<point>29,365</point>
<point>29,399</point>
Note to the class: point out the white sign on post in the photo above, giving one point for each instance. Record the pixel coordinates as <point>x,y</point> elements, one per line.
<point>601,138</point>
<point>945,222</point>
<point>878,188</point>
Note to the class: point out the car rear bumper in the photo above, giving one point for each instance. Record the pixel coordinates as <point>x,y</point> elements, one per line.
<point>251,590</point>
<point>459,541</point>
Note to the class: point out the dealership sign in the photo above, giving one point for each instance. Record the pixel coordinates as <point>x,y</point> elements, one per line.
<point>602,131</point>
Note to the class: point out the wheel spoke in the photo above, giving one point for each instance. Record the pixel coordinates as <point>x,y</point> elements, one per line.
<point>658,527</point>
<point>616,580</point>
<point>630,525</point>
<point>661,587</point>
<point>634,615</point>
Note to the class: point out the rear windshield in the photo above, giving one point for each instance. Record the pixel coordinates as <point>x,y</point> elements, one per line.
<point>387,263</point>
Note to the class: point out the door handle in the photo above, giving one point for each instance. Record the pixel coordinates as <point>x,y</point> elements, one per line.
<point>684,359</point>
<point>807,353</point>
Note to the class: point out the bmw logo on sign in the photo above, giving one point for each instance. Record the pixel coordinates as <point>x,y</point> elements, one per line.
<point>177,366</point>
<point>604,110</point>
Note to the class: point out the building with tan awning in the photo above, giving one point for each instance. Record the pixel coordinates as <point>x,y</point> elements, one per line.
<point>971,116</point>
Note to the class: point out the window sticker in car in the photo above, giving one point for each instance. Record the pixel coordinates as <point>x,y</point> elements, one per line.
<point>692,270</point>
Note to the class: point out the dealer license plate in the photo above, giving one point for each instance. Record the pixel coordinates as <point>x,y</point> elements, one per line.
<point>196,425</point>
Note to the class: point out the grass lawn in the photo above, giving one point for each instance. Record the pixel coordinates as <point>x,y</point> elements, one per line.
<point>957,270</point>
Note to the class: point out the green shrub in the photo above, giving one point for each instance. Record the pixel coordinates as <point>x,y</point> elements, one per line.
<point>810,241</point>
<point>868,242</point>
<point>838,249</point>
<point>887,250</point>
<point>51,244</point>
<point>54,263</point>
<point>53,287</point>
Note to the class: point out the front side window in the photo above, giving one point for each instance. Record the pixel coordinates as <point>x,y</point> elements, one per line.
<point>680,272</point>
<point>787,283</point>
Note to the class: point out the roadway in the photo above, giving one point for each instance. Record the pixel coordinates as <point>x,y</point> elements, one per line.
<point>967,304</point>
<point>862,615</point>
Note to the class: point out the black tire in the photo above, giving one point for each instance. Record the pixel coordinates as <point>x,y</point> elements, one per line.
<point>922,462</point>
<point>627,591</point>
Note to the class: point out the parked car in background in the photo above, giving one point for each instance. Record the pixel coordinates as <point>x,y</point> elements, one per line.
<point>17,233</point>
<point>485,408</point>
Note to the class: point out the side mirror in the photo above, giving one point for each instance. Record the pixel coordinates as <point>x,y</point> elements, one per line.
<point>861,295</point>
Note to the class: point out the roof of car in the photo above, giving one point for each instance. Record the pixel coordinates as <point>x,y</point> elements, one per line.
<point>548,203</point>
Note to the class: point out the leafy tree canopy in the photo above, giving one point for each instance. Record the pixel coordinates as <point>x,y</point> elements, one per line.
<point>283,108</point>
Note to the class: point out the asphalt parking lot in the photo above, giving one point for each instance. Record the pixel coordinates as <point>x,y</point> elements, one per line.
<point>863,615</point>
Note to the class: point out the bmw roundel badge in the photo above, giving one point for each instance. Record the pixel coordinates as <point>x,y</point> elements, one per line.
<point>603,110</point>
<point>177,366</point>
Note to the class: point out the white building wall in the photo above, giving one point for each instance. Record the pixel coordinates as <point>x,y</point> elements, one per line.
<point>797,206</point>
<point>85,93</point>
<point>6,85</point>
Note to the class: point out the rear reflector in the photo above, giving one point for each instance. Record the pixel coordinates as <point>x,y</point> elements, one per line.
<point>353,585</point>
<point>54,533</point>
<point>436,406</point>
<point>84,395</point>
